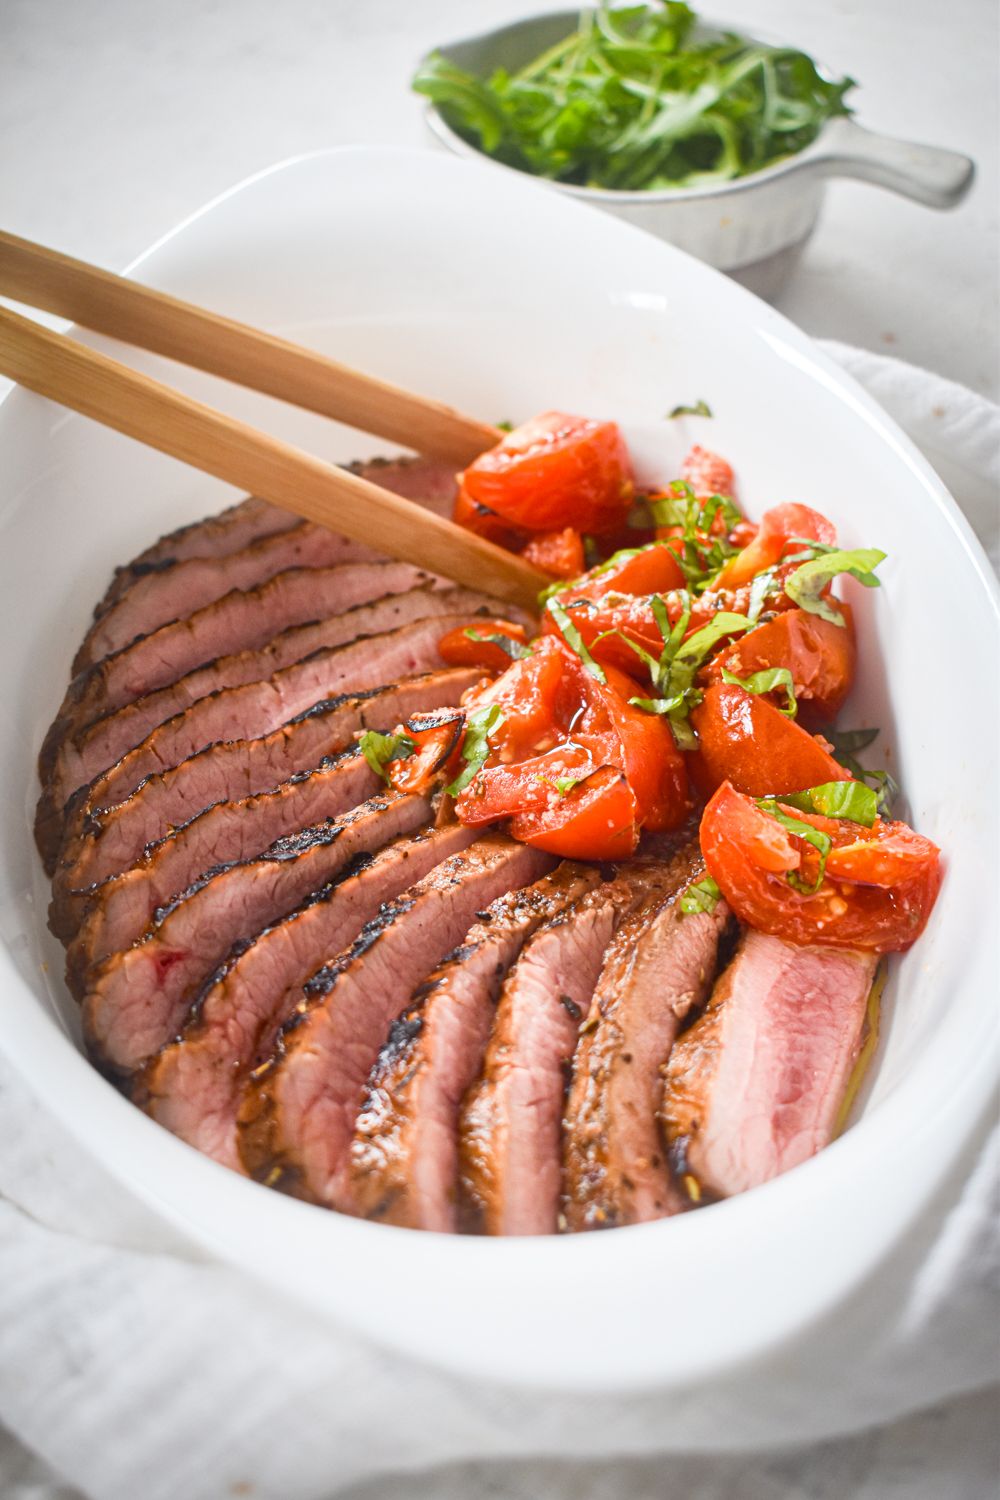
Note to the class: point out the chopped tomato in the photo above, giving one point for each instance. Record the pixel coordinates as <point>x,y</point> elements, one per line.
<point>558,715</point>
<point>707,473</point>
<point>555,471</point>
<point>879,899</point>
<point>480,519</point>
<point>535,696</point>
<point>596,820</point>
<point>436,737</point>
<point>558,553</point>
<point>459,648</point>
<point>777,528</point>
<point>644,570</point>
<point>819,655</point>
<point>531,785</point>
<point>744,740</point>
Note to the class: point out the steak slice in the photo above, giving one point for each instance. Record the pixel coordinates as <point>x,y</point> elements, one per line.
<point>136,1001</point>
<point>426,480</point>
<point>241,621</point>
<point>404,1155</point>
<point>119,911</point>
<point>194,1085</point>
<point>103,839</point>
<point>298,1111</point>
<point>109,738</point>
<point>175,593</point>
<point>755,1086</point>
<point>510,1145</point>
<point>257,708</point>
<point>661,963</point>
<point>228,531</point>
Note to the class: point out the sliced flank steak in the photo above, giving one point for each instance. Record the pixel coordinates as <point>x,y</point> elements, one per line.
<point>136,1001</point>
<point>238,622</point>
<point>104,837</point>
<point>298,1112</point>
<point>404,1155</point>
<point>756,1085</point>
<point>661,964</point>
<point>510,1146</point>
<point>427,481</point>
<point>106,740</point>
<point>194,1085</point>
<point>116,913</point>
<point>176,593</point>
<point>258,708</point>
<point>216,536</point>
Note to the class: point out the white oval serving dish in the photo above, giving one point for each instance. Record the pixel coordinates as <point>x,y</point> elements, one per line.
<point>457,280</point>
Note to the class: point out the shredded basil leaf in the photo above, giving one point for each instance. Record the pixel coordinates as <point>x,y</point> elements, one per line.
<point>504,426</point>
<point>574,639</point>
<point>480,724</point>
<point>673,675</point>
<point>634,98</point>
<point>699,554</point>
<point>844,742</point>
<point>851,800</point>
<point>821,842</point>
<point>805,586</point>
<point>699,409</point>
<point>564,784</point>
<point>379,749</point>
<point>767,681</point>
<point>704,895</point>
<point>516,650</point>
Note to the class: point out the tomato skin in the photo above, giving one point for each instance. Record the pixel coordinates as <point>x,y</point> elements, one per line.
<point>777,527</point>
<point>821,657</point>
<point>460,650</point>
<point>643,745</point>
<point>596,820</point>
<point>707,473</point>
<point>503,791</point>
<point>652,570</point>
<point>744,740</point>
<point>437,737</point>
<point>843,913</point>
<point>485,523</point>
<point>534,695</point>
<point>555,471</point>
<point>557,553</point>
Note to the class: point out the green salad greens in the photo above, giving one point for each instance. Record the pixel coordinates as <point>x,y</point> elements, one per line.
<point>638,98</point>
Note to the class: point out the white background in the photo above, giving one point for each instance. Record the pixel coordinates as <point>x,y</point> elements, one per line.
<point>120,117</point>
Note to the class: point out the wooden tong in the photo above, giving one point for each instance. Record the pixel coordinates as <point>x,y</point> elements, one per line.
<point>70,373</point>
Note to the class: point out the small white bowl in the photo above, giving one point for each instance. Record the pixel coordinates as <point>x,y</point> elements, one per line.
<point>418,268</point>
<point>755,227</point>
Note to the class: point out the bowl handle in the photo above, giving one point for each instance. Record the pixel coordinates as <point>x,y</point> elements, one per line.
<point>927,174</point>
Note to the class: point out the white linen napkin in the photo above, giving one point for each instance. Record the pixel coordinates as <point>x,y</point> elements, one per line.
<point>141,1370</point>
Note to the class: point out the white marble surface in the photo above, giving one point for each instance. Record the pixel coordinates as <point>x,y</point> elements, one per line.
<point>119,117</point>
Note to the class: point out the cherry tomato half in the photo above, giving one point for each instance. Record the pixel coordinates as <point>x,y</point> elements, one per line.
<point>436,737</point>
<point>481,520</point>
<point>596,820</point>
<point>707,473</point>
<point>744,740</point>
<point>555,471</point>
<point>750,855</point>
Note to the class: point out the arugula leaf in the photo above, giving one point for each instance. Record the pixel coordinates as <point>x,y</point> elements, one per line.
<point>704,895</point>
<point>820,841</point>
<point>480,724</point>
<point>767,681</point>
<point>805,586</point>
<point>574,639</point>
<point>516,650</point>
<point>851,800</point>
<point>633,99</point>
<point>699,409</point>
<point>379,749</point>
